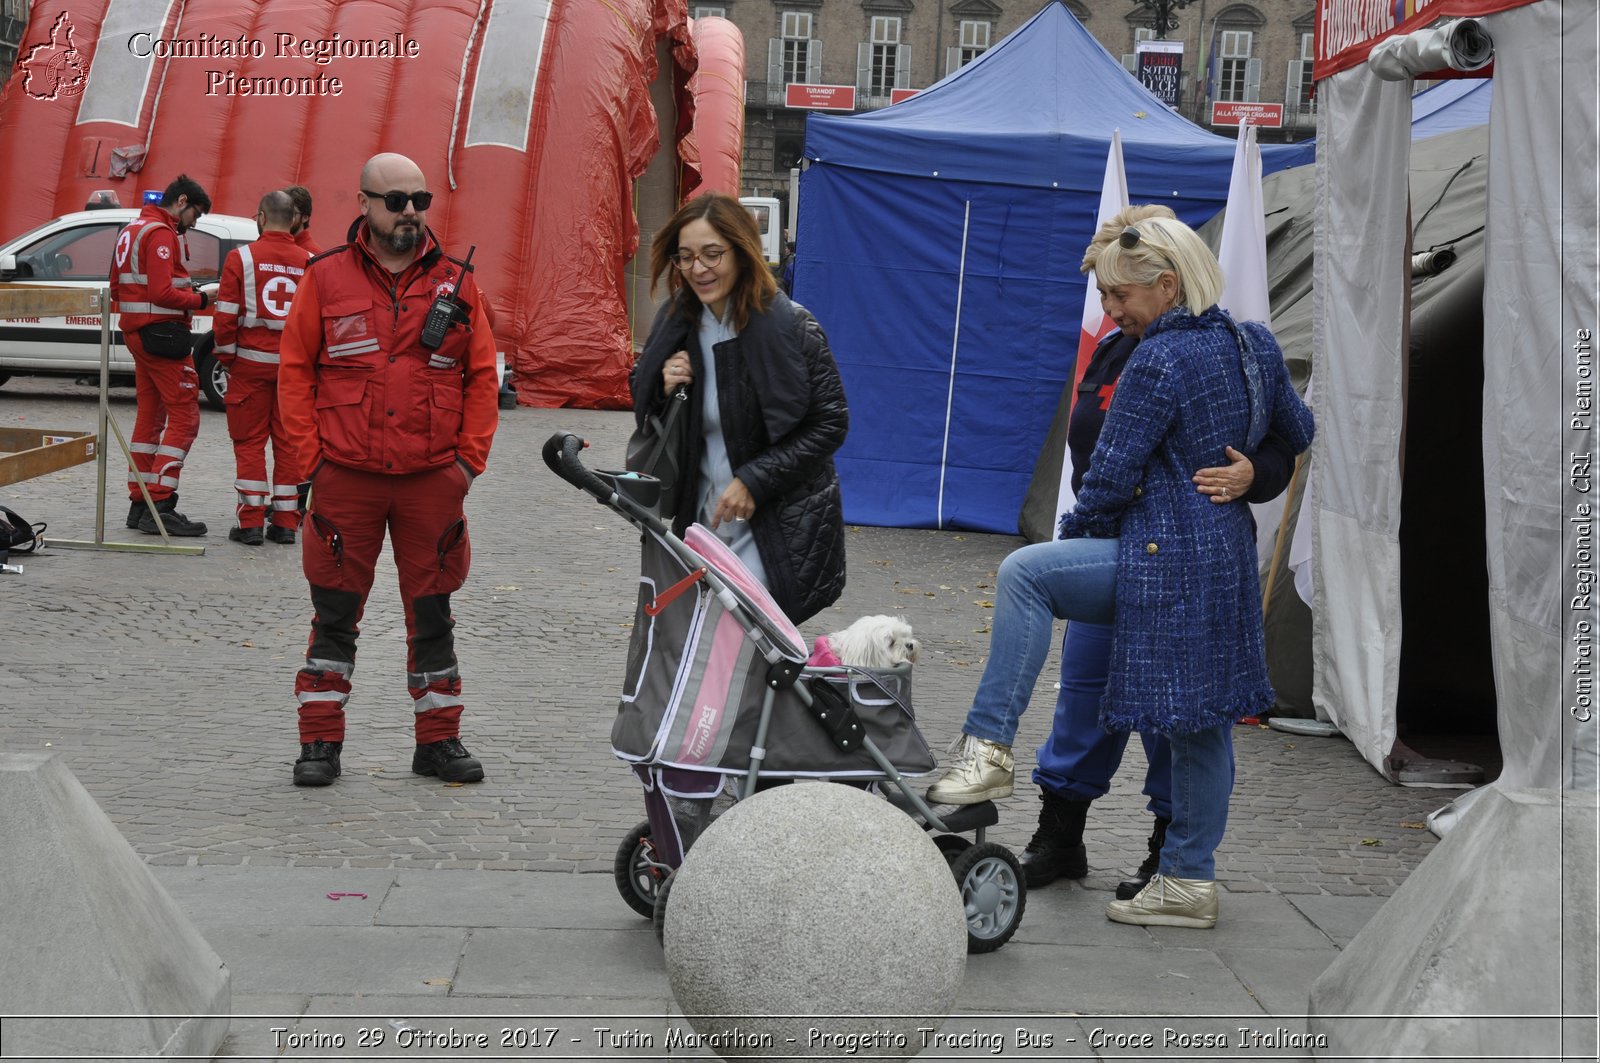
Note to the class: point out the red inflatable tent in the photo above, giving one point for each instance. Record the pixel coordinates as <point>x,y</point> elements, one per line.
<point>531,120</point>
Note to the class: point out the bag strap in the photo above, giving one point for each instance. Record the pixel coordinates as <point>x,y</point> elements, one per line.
<point>1255,388</point>
<point>677,402</point>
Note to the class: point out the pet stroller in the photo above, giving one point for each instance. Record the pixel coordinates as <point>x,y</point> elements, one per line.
<point>719,700</point>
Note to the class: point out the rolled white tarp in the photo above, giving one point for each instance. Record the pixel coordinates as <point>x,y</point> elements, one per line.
<point>1462,44</point>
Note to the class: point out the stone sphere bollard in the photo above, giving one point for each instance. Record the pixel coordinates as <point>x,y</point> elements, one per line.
<point>819,913</point>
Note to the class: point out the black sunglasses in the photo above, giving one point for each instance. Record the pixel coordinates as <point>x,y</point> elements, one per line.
<point>395,202</point>
<point>1129,238</point>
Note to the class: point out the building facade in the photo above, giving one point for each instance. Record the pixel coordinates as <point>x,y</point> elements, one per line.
<point>13,20</point>
<point>859,55</point>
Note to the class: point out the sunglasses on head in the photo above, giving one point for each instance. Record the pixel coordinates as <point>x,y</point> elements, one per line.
<point>1129,238</point>
<point>395,202</point>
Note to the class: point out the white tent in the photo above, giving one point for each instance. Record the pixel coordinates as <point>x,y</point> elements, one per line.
<point>1540,316</point>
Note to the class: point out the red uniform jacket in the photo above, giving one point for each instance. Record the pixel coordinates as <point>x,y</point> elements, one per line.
<point>149,281</point>
<point>355,385</point>
<point>259,281</point>
<point>304,240</point>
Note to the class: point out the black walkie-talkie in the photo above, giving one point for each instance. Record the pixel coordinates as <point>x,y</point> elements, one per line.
<point>445,310</point>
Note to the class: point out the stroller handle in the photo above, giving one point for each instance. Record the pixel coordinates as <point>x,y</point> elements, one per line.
<point>561,454</point>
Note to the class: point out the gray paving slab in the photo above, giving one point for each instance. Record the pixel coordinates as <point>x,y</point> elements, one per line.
<point>224,897</point>
<point>530,963</point>
<point>1103,980</point>
<point>1340,918</point>
<point>1280,979</point>
<point>338,959</point>
<point>550,900</point>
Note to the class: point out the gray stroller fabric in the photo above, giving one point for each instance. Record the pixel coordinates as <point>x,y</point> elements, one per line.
<point>697,679</point>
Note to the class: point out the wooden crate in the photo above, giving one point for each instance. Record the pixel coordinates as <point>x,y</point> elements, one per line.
<point>29,452</point>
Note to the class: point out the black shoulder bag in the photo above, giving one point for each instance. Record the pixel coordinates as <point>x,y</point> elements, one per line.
<point>660,448</point>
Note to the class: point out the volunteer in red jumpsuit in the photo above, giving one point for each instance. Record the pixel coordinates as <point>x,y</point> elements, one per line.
<point>258,284</point>
<point>300,229</point>
<point>151,286</point>
<point>391,434</point>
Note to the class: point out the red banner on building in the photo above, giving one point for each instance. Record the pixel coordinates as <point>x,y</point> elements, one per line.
<point>1347,29</point>
<point>820,97</point>
<point>1256,114</point>
<point>896,95</point>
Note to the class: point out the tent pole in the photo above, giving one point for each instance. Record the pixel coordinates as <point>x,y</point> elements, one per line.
<point>955,345</point>
<point>1283,526</point>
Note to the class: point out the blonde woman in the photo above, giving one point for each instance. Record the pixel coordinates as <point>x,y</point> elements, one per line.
<point>1174,572</point>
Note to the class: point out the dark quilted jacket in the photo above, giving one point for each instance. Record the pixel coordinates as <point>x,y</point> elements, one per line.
<point>799,518</point>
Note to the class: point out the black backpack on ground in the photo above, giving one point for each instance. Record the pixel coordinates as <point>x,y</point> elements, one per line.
<point>17,536</point>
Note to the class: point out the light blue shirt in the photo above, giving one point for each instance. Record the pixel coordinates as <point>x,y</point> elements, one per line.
<point>716,469</point>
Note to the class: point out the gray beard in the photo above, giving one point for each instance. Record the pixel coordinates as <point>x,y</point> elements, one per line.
<point>401,240</point>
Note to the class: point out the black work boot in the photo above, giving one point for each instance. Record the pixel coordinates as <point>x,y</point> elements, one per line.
<point>135,511</point>
<point>279,534</point>
<point>1129,888</point>
<point>318,764</point>
<point>176,523</point>
<point>247,536</point>
<point>1056,850</point>
<point>449,760</point>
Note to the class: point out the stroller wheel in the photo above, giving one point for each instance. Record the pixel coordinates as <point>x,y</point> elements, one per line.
<point>658,918</point>
<point>993,894</point>
<point>637,874</point>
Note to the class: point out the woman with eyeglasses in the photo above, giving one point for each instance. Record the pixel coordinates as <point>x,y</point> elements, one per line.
<point>767,409</point>
<point>1170,567</point>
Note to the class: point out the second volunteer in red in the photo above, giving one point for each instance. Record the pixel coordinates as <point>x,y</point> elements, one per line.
<point>391,434</point>
<point>258,285</point>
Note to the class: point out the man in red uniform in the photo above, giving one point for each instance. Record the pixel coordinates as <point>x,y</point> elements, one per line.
<point>258,283</point>
<point>391,430</point>
<point>300,228</point>
<point>151,287</point>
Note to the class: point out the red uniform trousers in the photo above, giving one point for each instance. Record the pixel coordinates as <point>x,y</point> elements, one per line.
<point>344,529</point>
<point>253,418</point>
<point>167,422</point>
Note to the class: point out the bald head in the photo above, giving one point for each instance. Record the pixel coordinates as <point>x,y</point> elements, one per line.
<point>388,171</point>
<point>275,213</point>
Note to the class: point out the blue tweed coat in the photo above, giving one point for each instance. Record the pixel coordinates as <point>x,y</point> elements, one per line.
<point>1189,653</point>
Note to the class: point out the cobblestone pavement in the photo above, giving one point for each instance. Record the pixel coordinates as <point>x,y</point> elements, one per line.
<point>166,683</point>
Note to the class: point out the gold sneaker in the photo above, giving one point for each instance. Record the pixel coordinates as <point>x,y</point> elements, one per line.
<point>1168,901</point>
<point>981,772</point>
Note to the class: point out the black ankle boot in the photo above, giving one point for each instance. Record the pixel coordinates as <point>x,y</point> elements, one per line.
<point>1129,888</point>
<point>1056,850</point>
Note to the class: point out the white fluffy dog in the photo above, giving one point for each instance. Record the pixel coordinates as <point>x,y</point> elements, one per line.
<point>871,642</point>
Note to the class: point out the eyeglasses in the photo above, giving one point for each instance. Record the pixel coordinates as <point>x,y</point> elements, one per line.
<point>708,256</point>
<point>395,202</point>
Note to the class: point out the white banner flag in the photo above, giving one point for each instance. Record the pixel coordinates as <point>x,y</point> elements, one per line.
<point>1244,290</point>
<point>1113,198</point>
<point>1244,237</point>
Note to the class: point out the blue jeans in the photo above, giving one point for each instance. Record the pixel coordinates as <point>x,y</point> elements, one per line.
<point>1202,783</point>
<point>1079,759</point>
<point>1065,579</point>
